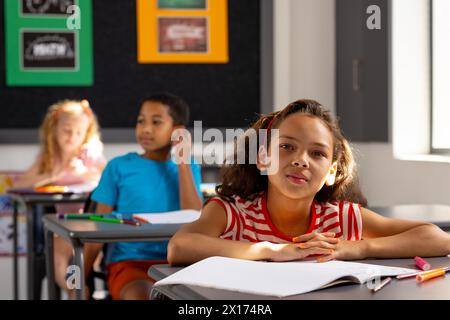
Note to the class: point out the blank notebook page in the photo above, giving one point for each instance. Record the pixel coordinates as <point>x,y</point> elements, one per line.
<point>181,216</point>
<point>279,279</point>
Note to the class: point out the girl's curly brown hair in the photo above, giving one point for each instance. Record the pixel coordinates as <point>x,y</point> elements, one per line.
<point>246,181</point>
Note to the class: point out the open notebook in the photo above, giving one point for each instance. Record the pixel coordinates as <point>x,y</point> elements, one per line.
<point>181,216</point>
<point>278,279</point>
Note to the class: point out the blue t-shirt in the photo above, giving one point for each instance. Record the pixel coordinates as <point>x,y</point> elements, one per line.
<point>133,184</point>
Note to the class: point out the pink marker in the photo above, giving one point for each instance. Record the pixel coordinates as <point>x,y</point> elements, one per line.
<point>409,275</point>
<point>422,264</point>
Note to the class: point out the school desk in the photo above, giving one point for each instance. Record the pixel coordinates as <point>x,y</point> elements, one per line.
<point>35,202</point>
<point>79,232</point>
<point>406,289</point>
<point>440,215</point>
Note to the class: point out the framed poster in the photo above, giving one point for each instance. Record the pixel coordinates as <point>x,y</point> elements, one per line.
<point>188,35</point>
<point>45,8</point>
<point>182,31</point>
<point>41,48</point>
<point>182,4</point>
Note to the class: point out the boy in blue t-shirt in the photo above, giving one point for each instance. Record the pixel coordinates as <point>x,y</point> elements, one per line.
<point>148,182</point>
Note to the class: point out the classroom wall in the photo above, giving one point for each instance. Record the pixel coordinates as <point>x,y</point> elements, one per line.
<point>304,51</point>
<point>307,73</point>
<point>311,73</point>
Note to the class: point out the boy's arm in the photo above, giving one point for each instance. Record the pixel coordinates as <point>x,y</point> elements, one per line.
<point>103,208</point>
<point>189,198</point>
<point>182,143</point>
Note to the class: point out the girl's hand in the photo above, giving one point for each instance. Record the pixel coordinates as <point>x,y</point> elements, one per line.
<point>292,251</point>
<point>346,250</point>
<point>77,166</point>
<point>320,240</point>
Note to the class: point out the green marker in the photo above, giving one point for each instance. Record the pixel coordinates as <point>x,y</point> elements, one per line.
<point>102,219</point>
<point>74,216</point>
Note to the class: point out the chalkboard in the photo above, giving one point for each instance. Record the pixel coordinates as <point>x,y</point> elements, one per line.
<point>221,95</point>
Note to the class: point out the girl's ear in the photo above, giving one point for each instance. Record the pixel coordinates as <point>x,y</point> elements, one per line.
<point>331,177</point>
<point>178,126</point>
<point>262,162</point>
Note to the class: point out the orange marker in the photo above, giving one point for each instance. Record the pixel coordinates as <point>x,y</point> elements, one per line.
<point>51,189</point>
<point>142,220</point>
<point>424,276</point>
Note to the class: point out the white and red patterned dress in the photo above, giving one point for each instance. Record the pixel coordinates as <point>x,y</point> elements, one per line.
<point>250,221</point>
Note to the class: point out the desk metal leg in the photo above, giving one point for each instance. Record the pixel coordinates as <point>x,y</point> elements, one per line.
<point>79,261</point>
<point>30,252</point>
<point>49,264</point>
<point>15,251</point>
<point>155,295</point>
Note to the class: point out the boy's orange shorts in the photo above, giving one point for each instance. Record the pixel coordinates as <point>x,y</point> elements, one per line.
<point>123,272</point>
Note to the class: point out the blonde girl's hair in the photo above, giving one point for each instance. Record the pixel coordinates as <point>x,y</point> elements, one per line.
<point>47,130</point>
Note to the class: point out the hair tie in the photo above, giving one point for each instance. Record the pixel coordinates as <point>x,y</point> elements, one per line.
<point>86,107</point>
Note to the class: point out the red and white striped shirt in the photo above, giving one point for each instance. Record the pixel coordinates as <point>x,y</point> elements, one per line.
<point>250,221</point>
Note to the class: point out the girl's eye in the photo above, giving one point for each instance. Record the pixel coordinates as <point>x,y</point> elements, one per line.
<point>156,122</point>
<point>140,121</point>
<point>319,154</point>
<point>286,146</point>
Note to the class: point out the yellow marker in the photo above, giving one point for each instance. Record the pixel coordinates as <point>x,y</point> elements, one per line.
<point>424,276</point>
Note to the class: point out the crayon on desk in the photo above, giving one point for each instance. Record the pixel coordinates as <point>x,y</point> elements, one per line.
<point>409,275</point>
<point>422,264</point>
<point>103,219</point>
<point>382,284</point>
<point>427,275</point>
<point>111,220</point>
<point>141,220</point>
<point>131,222</point>
<point>74,216</point>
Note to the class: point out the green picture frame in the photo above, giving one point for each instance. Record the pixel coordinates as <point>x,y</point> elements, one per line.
<point>42,51</point>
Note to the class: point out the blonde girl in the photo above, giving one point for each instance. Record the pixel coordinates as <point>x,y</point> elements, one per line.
<point>71,153</point>
<point>71,150</point>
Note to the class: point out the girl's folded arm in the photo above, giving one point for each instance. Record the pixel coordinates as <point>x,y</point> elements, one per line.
<point>388,238</point>
<point>201,239</point>
<point>32,177</point>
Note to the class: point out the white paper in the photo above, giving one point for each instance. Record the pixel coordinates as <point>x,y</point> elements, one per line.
<point>181,216</point>
<point>279,279</point>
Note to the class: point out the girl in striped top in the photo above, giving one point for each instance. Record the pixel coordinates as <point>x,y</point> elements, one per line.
<point>308,206</point>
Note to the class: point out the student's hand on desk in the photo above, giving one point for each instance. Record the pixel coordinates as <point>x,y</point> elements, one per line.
<point>345,250</point>
<point>294,251</point>
<point>47,178</point>
<point>325,240</point>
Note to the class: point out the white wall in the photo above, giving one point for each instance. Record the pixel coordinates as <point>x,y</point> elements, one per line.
<point>20,157</point>
<point>389,181</point>
<point>304,51</point>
